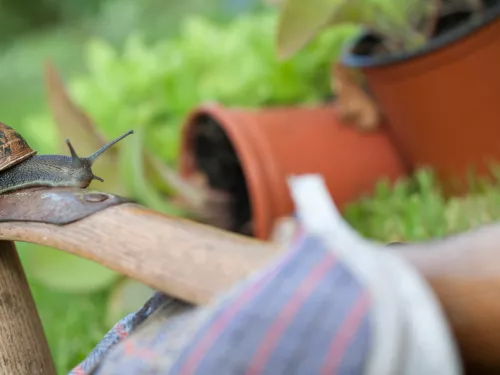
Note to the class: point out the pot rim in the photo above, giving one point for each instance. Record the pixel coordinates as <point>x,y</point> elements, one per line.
<point>357,61</point>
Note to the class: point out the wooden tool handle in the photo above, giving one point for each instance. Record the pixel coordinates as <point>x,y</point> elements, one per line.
<point>23,347</point>
<point>189,261</point>
<point>464,272</point>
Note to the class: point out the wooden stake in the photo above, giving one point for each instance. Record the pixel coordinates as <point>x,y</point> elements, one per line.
<point>23,346</point>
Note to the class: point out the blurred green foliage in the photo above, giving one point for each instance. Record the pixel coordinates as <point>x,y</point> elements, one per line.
<point>111,19</point>
<point>157,84</point>
<point>73,323</point>
<point>415,209</point>
<point>25,16</point>
<point>23,54</point>
<point>404,25</point>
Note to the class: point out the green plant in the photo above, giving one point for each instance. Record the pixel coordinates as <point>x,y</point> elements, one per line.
<point>157,85</point>
<point>402,25</point>
<point>415,209</point>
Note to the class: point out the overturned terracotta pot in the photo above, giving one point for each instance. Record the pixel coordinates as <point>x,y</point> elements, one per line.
<point>250,154</point>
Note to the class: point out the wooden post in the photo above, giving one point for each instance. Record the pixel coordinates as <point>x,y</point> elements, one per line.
<point>23,346</point>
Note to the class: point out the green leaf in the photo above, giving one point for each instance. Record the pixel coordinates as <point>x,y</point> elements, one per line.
<point>134,174</point>
<point>73,123</point>
<point>300,21</point>
<point>100,56</point>
<point>66,272</point>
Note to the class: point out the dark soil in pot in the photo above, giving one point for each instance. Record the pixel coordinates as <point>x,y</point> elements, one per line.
<point>370,44</point>
<point>217,160</point>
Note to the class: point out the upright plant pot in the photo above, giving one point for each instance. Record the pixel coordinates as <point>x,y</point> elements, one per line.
<point>441,103</point>
<point>250,154</point>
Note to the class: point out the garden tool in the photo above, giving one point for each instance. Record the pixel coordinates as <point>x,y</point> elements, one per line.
<point>194,264</point>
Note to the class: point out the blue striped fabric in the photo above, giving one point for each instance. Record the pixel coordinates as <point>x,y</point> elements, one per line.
<point>303,314</point>
<point>297,318</point>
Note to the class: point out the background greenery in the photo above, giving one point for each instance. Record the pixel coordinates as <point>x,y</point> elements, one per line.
<point>146,64</point>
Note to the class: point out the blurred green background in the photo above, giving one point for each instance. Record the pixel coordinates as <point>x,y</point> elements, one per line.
<point>144,65</point>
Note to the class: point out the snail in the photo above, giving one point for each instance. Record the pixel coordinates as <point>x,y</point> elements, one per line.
<point>20,167</point>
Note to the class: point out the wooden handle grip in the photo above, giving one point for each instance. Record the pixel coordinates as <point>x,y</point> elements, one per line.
<point>186,260</point>
<point>464,272</point>
<point>23,347</point>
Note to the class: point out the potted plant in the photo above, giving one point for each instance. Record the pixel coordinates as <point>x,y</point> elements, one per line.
<point>432,68</point>
<point>249,153</point>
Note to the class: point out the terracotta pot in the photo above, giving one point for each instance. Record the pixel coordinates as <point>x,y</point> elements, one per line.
<point>251,152</point>
<point>441,103</point>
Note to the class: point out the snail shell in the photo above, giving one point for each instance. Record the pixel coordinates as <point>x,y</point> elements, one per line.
<point>13,147</point>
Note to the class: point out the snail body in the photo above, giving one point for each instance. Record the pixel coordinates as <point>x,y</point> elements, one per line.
<point>21,168</point>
